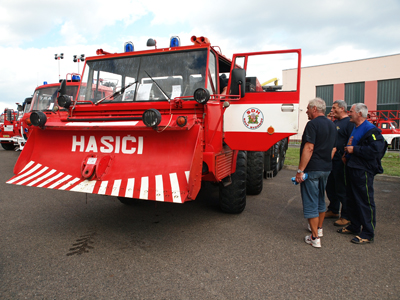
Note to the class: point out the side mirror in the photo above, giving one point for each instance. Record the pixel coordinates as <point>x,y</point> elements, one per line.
<point>63,87</point>
<point>238,78</point>
<point>63,100</point>
<point>20,108</point>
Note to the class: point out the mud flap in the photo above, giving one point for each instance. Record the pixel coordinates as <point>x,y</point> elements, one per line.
<point>138,164</point>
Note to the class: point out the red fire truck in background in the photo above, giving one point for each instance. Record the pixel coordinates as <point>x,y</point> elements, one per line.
<point>10,128</point>
<point>387,121</point>
<point>16,125</point>
<point>44,99</point>
<point>166,126</point>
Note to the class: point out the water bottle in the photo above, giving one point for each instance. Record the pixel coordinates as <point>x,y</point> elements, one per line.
<point>305,176</point>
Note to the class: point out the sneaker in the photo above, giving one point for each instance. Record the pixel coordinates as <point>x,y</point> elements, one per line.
<point>320,231</point>
<point>316,243</point>
<point>342,222</point>
<point>331,215</point>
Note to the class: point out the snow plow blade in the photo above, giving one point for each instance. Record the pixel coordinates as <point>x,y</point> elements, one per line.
<point>141,164</point>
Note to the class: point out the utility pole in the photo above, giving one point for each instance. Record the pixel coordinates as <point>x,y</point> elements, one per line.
<point>59,57</point>
<point>77,59</point>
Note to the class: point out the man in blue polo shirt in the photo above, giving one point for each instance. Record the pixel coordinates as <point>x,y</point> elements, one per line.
<point>363,153</point>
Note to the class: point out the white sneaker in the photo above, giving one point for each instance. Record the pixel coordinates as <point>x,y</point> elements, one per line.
<point>316,243</point>
<point>320,231</point>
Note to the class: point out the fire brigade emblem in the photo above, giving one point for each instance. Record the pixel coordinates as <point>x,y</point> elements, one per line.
<point>253,118</point>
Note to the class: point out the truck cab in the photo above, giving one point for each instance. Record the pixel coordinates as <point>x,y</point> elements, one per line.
<point>390,132</point>
<point>9,129</point>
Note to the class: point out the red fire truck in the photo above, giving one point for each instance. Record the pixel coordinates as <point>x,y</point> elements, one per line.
<point>386,120</point>
<point>166,127</point>
<point>44,99</point>
<point>9,129</point>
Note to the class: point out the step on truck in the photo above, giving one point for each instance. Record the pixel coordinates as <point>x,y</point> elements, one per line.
<point>176,117</point>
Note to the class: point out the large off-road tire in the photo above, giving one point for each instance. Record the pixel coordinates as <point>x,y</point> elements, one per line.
<point>232,198</point>
<point>275,158</point>
<point>395,144</point>
<point>8,146</point>
<point>255,172</point>
<point>283,148</point>
<point>267,162</point>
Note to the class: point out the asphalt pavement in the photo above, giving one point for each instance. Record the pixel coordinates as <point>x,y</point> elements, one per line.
<point>65,245</point>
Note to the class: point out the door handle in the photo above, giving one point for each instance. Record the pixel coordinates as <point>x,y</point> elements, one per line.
<point>287,108</point>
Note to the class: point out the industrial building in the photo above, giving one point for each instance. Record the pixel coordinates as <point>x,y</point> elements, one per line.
<point>373,81</point>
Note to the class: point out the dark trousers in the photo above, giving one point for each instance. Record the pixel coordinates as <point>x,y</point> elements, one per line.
<point>360,202</point>
<point>336,189</point>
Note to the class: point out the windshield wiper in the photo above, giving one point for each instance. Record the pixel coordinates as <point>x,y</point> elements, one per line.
<point>117,93</point>
<point>159,87</point>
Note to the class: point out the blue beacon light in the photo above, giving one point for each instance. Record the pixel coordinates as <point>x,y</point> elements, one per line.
<point>128,47</point>
<point>175,41</point>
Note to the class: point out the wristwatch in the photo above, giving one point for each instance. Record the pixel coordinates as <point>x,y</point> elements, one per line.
<point>300,171</point>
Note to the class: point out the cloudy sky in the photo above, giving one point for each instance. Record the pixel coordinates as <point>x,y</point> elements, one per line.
<point>31,32</point>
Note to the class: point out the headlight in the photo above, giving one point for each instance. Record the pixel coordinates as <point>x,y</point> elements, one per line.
<point>151,117</point>
<point>201,95</point>
<point>38,118</point>
<point>64,101</point>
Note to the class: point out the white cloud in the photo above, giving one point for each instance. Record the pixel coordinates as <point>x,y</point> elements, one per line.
<point>4,105</point>
<point>73,17</point>
<point>24,69</point>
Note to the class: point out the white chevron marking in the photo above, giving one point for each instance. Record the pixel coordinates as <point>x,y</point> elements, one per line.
<point>116,187</point>
<point>85,186</point>
<point>51,179</point>
<point>187,173</point>
<point>70,183</point>
<point>130,188</point>
<point>144,188</point>
<point>33,176</point>
<point>59,182</point>
<point>26,174</point>
<point>176,193</point>
<point>159,188</point>
<point>41,178</point>
<point>103,187</point>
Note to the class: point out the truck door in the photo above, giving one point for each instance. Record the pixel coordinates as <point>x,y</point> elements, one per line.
<point>268,108</point>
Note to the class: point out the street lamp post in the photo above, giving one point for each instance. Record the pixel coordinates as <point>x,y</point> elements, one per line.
<point>59,57</point>
<point>77,59</point>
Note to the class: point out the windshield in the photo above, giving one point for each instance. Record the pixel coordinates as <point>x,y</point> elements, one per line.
<point>393,125</point>
<point>27,107</point>
<point>45,98</point>
<point>144,78</point>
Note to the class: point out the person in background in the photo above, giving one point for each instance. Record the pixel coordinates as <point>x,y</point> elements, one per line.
<point>363,153</point>
<point>336,186</point>
<point>316,151</point>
